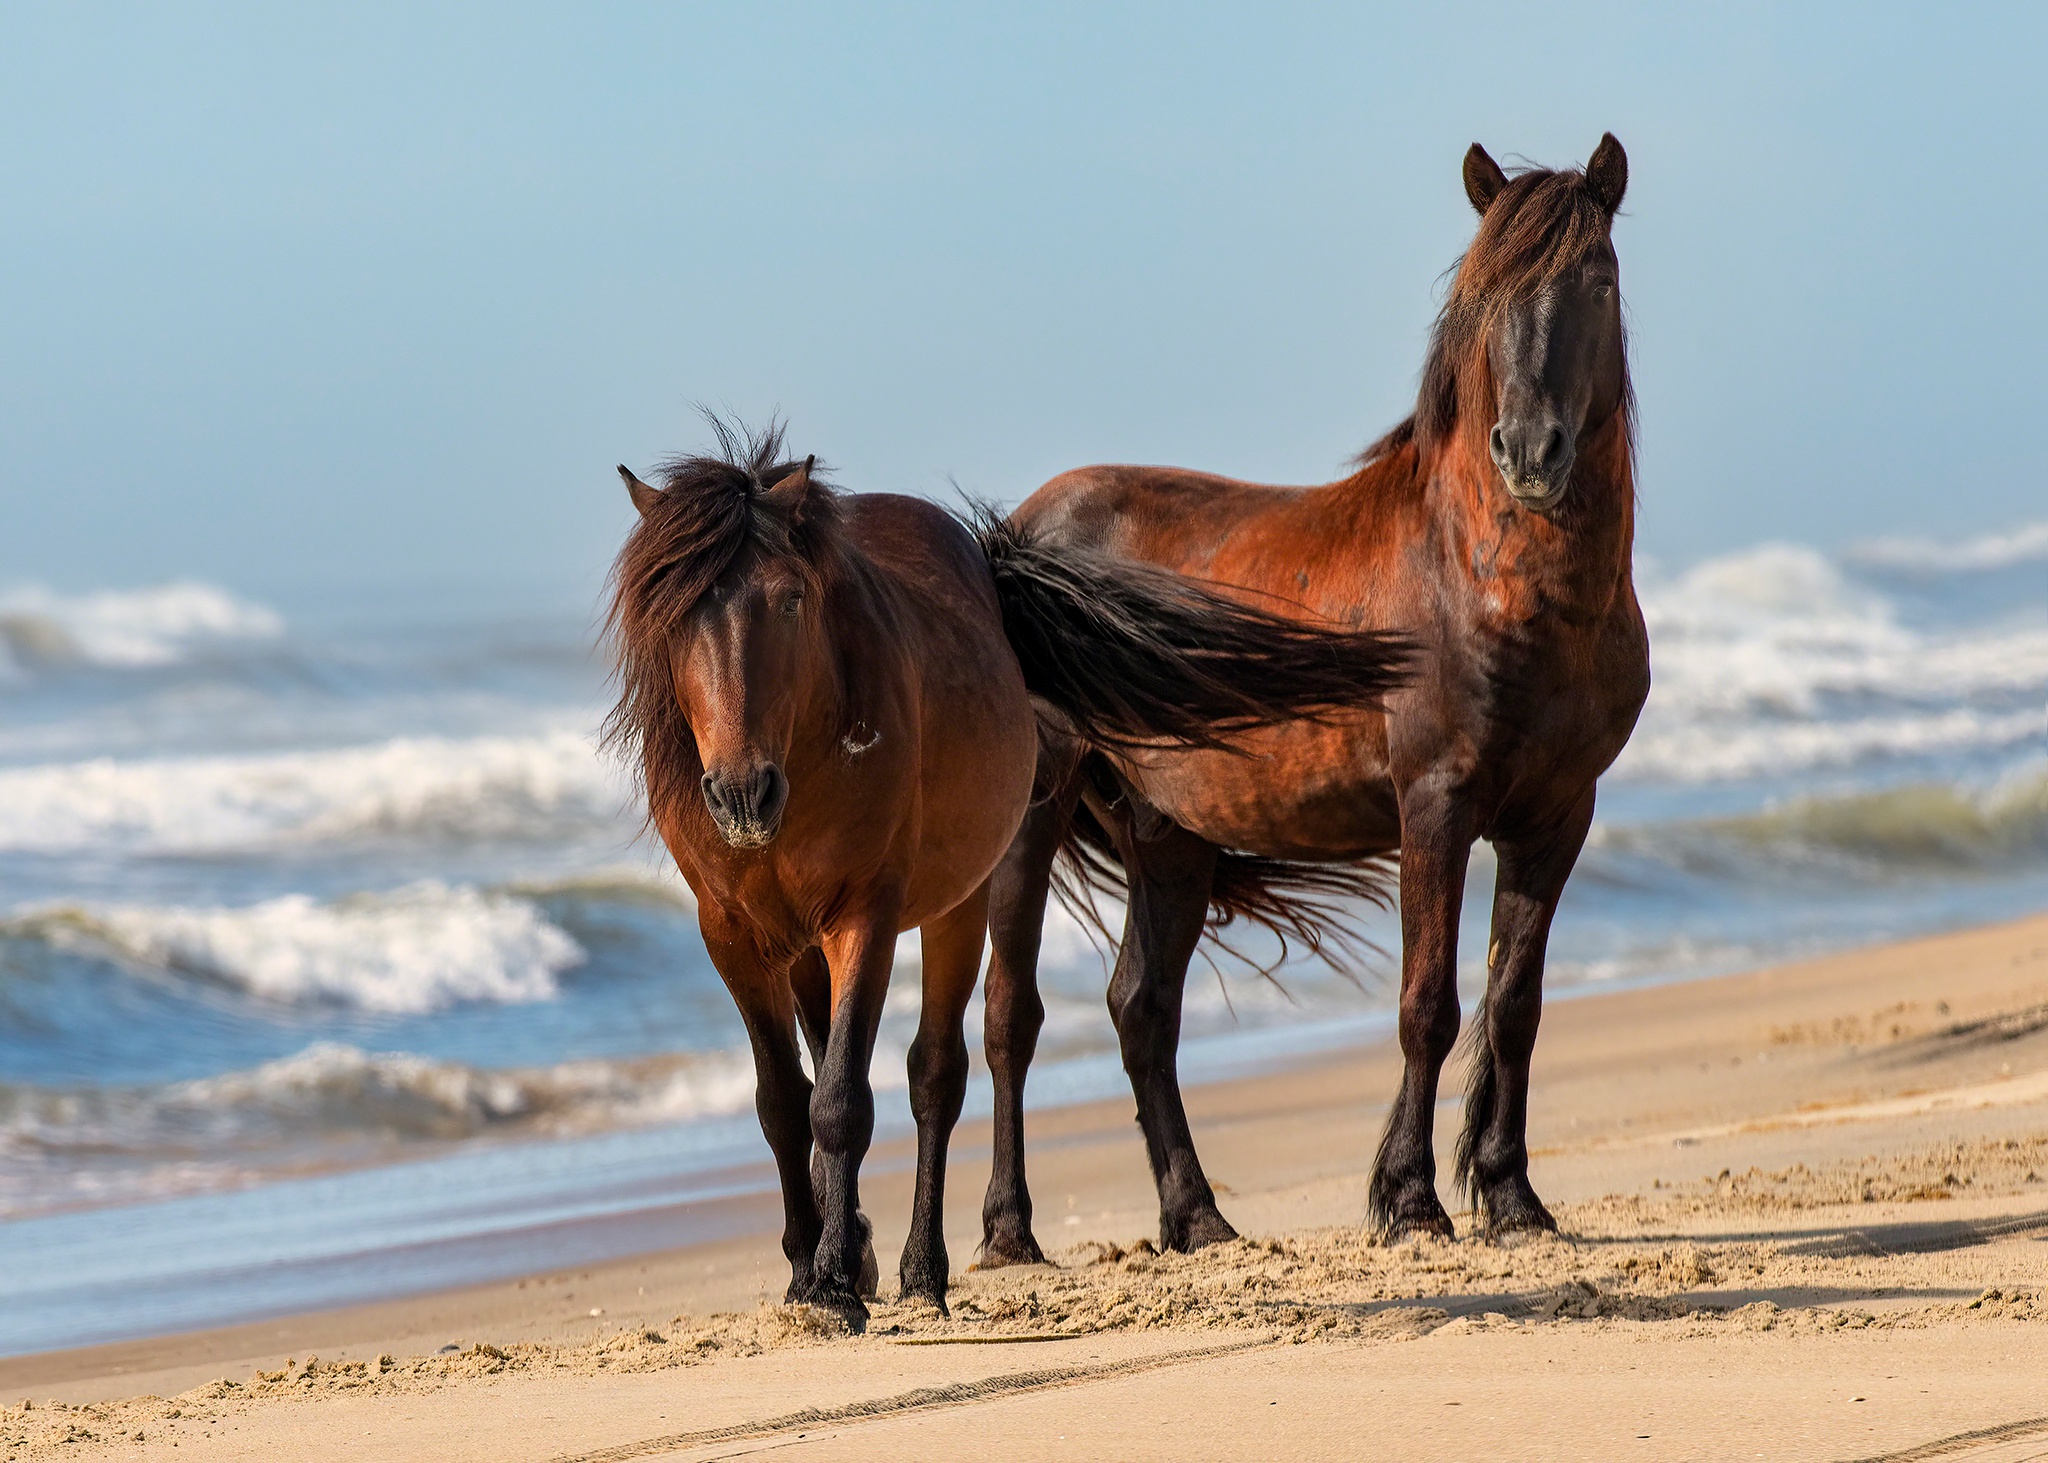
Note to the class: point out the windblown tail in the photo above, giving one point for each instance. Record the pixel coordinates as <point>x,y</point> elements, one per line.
<point>1315,907</point>
<point>1133,654</point>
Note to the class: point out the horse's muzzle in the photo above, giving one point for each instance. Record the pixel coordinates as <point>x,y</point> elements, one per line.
<point>1534,454</point>
<point>747,808</point>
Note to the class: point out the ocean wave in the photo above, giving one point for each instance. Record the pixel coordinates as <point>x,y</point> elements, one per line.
<point>418,949</point>
<point>1700,751</point>
<point>124,629</point>
<point>331,1103</point>
<point>2027,544</point>
<point>2001,827</point>
<point>1773,660</point>
<point>536,786</point>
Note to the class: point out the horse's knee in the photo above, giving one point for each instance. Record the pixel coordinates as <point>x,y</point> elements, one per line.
<point>1429,1027</point>
<point>938,1077</point>
<point>842,1116</point>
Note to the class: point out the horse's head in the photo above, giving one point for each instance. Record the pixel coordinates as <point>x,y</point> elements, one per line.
<point>717,591</point>
<point>1536,314</point>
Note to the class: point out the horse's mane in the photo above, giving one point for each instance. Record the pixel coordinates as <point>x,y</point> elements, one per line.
<point>713,508</point>
<point>1540,226</point>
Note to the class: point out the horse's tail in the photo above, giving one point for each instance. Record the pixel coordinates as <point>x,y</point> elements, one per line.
<point>1131,654</point>
<point>1316,907</point>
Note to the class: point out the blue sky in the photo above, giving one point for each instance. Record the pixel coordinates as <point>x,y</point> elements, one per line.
<point>311,299</point>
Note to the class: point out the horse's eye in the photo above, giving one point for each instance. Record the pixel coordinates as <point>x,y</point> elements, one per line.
<point>1602,290</point>
<point>794,603</point>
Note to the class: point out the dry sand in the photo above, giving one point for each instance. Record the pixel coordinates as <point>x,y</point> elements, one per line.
<point>1804,1210</point>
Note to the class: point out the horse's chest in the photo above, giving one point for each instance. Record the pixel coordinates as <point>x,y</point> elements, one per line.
<point>1548,713</point>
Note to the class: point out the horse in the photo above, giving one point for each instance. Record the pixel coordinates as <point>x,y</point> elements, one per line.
<point>835,703</point>
<point>1495,525</point>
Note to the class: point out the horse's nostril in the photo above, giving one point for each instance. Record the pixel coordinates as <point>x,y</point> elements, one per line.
<point>714,796</point>
<point>770,793</point>
<point>1497,445</point>
<point>1553,447</point>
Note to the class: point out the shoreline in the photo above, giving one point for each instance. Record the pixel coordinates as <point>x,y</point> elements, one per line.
<point>626,1184</point>
<point>1892,1042</point>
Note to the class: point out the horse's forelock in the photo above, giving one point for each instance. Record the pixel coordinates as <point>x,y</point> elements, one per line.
<point>711,511</point>
<point>1542,224</point>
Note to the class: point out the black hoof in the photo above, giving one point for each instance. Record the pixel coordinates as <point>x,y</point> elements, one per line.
<point>843,1303</point>
<point>925,1293</point>
<point>1007,1246</point>
<point>1513,1208</point>
<point>1196,1231</point>
<point>1422,1214</point>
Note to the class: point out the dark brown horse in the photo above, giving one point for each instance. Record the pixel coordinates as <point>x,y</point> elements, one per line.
<point>1495,526</point>
<point>831,702</point>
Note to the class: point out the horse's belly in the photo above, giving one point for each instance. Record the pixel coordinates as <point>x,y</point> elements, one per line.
<point>1315,793</point>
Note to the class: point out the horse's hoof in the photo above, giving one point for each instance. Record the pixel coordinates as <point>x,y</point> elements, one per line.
<point>1196,1232</point>
<point>1009,1247</point>
<point>925,1293</point>
<point>1513,1208</point>
<point>838,1301</point>
<point>1418,1219</point>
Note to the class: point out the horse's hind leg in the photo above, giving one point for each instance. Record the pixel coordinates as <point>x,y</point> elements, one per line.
<point>1436,842</point>
<point>1493,1151</point>
<point>1171,873</point>
<point>938,1085</point>
<point>810,979</point>
<point>1012,1017</point>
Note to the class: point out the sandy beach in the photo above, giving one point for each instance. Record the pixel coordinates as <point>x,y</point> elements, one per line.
<point>1803,1216</point>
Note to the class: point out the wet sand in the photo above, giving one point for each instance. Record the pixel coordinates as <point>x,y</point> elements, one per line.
<point>1804,1211</point>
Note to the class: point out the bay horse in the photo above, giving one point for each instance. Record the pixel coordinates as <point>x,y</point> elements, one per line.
<point>834,702</point>
<point>1495,525</point>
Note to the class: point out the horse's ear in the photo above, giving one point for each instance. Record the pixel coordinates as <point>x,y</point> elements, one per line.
<point>1607,173</point>
<point>789,492</point>
<point>1483,177</point>
<point>644,497</point>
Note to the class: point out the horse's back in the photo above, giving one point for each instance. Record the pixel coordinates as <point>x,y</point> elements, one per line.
<point>1169,515</point>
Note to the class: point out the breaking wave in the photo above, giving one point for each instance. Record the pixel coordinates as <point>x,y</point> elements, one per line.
<point>123,629</point>
<point>1920,826</point>
<point>331,1103</point>
<point>418,949</point>
<point>450,788</point>
<point>1774,661</point>
<point>2025,545</point>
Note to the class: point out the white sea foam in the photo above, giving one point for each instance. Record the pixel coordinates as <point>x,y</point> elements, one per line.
<point>2027,544</point>
<point>417,949</point>
<point>476,787</point>
<point>123,628</point>
<point>330,1103</point>
<point>1772,660</point>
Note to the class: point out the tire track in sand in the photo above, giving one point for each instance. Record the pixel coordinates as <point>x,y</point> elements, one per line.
<point>918,1399</point>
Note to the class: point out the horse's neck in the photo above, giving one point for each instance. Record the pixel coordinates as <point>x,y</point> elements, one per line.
<point>1572,564</point>
<point>857,615</point>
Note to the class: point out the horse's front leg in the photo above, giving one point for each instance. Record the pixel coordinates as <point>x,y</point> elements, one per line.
<point>938,1085</point>
<point>810,980</point>
<point>1436,841</point>
<point>843,1105</point>
<point>1493,1151</point>
<point>782,1093</point>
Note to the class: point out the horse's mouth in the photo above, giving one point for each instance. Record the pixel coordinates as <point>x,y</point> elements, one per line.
<point>747,835</point>
<point>1539,494</point>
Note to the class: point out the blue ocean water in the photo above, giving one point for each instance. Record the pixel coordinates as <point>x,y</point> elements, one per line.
<point>328,939</point>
